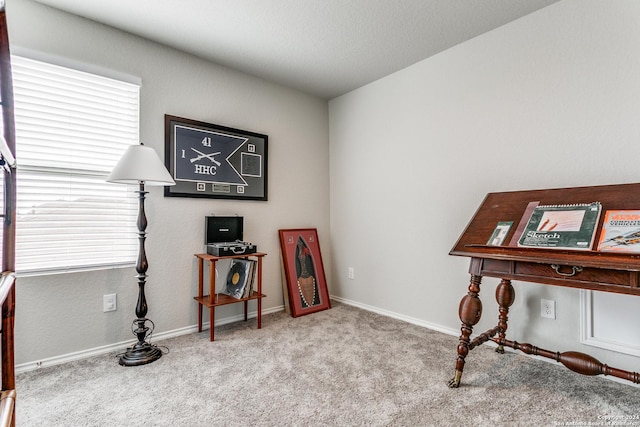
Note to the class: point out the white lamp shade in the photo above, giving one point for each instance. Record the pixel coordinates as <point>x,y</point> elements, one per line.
<point>140,163</point>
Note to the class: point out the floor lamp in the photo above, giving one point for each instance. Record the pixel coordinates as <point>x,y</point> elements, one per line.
<point>141,165</point>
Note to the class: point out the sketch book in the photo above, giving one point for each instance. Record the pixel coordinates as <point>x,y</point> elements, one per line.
<point>562,226</point>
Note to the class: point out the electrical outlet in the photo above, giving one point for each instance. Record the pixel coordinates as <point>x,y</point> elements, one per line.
<point>548,308</point>
<point>351,273</point>
<point>109,302</point>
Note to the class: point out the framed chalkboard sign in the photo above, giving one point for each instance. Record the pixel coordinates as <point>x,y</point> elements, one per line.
<point>213,161</point>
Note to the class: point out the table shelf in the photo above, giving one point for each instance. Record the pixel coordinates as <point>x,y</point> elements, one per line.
<point>223,299</point>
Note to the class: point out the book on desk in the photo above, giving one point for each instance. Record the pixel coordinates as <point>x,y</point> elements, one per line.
<point>562,226</point>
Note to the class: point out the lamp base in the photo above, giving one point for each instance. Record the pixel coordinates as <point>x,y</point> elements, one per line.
<point>140,354</point>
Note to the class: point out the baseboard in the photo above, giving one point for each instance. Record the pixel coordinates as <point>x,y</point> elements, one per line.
<point>393,315</point>
<point>121,346</point>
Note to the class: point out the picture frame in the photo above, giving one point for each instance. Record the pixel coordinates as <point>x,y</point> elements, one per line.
<point>212,161</point>
<point>304,275</point>
<point>500,233</point>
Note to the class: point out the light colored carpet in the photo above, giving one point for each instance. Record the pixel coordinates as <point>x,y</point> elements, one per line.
<point>340,367</point>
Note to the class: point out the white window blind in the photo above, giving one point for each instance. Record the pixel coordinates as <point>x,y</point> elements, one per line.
<point>71,129</point>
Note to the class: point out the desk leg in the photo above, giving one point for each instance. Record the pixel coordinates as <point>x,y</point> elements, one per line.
<point>505,295</point>
<point>470,311</point>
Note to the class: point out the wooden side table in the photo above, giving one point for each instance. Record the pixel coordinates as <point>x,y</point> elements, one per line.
<point>213,299</point>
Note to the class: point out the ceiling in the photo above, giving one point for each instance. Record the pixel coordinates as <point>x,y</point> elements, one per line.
<point>322,47</point>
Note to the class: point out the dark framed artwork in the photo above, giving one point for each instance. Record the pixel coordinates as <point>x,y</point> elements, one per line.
<point>304,272</point>
<point>213,161</point>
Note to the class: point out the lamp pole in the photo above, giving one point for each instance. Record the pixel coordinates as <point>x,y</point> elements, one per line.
<point>142,352</point>
<point>140,165</point>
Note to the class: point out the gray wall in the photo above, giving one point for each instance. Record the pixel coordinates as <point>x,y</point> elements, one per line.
<point>550,100</point>
<point>60,316</point>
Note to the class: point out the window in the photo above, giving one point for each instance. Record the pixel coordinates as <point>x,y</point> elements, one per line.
<point>71,129</point>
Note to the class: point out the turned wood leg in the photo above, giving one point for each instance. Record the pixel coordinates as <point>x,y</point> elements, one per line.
<point>212,321</point>
<point>469,311</point>
<point>200,292</point>
<point>505,295</point>
<point>577,362</point>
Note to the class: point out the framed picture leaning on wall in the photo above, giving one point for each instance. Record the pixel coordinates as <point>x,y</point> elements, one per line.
<point>213,161</point>
<point>304,272</point>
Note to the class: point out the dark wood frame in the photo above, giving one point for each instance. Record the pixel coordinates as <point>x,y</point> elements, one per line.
<point>7,279</point>
<point>237,170</point>
<point>299,267</point>
<point>591,270</point>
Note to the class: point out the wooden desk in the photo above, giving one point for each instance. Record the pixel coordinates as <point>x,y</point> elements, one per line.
<point>591,270</point>
<point>214,300</point>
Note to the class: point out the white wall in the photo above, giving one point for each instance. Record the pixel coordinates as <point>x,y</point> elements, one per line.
<point>550,100</point>
<point>62,314</point>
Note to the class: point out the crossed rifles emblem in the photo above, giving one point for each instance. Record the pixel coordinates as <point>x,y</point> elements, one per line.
<point>205,156</point>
